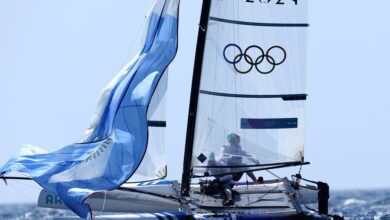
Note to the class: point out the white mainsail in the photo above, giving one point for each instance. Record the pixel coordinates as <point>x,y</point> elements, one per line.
<point>253,83</point>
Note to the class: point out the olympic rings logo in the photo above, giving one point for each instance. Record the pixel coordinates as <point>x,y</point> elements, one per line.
<point>264,62</point>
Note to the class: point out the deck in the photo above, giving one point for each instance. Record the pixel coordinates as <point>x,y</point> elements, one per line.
<point>268,199</point>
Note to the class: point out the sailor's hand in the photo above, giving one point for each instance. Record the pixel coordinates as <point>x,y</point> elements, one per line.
<point>214,181</point>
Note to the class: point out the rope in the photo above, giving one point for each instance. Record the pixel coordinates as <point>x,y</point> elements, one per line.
<point>104,201</point>
<point>273,174</point>
<point>27,185</point>
<point>265,194</point>
<point>22,193</point>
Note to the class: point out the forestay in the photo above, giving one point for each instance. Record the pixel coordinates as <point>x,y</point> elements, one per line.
<point>252,88</point>
<point>127,124</point>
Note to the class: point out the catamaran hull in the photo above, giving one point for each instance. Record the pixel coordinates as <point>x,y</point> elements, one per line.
<point>183,216</point>
<point>117,201</point>
<point>161,200</point>
<point>264,217</point>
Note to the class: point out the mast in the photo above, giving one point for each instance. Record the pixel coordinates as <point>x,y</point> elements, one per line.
<point>186,177</point>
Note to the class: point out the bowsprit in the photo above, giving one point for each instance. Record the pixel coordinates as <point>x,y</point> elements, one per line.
<point>254,56</point>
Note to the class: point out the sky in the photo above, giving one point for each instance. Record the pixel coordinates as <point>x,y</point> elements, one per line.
<point>56,56</point>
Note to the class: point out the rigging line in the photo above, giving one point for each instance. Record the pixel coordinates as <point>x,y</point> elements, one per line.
<point>132,44</point>
<point>272,173</point>
<point>147,193</point>
<point>22,193</point>
<point>26,185</point>
<point>145,181</point>
<point>300,168</point>
<point>265,194</point>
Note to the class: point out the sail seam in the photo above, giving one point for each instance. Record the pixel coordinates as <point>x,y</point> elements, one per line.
<point>259,24</point>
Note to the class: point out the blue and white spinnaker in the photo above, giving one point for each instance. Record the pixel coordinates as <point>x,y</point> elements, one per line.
<point>116,141</point>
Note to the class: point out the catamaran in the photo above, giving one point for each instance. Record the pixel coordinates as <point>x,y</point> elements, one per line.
<point>246,115</point>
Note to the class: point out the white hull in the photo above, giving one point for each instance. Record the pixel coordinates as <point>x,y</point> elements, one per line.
<point>144,216</point>
<point>270,200</point>
<point>124,200</point>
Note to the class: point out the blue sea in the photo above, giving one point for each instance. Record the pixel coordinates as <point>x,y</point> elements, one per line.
<point>374,204</point>
<point>368,204</point>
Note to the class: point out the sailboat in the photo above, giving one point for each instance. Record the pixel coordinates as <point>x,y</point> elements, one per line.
<point>246,115</point>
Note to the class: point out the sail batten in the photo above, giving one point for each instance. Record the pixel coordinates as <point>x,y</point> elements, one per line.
<point>289,97</point>
<point>259,24</point>
<point>161,124</point>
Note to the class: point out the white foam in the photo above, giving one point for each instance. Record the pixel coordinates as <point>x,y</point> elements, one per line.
<point>352,202</point>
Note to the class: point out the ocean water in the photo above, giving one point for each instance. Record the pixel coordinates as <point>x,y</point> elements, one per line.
<point>367,204</point>
<point>363,205</point>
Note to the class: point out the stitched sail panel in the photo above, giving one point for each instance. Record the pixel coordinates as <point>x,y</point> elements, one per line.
<point>255,57</point>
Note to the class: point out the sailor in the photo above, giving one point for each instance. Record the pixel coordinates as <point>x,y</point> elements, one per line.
<point>233,154</point>
<point>225,182</point>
